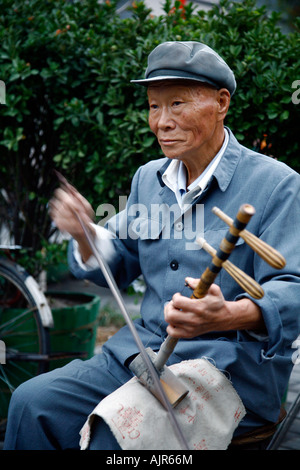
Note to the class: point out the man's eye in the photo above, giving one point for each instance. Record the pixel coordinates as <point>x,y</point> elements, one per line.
<point>177,103</point>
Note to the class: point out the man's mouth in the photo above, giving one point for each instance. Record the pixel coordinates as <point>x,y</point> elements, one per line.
<point>168,141</point>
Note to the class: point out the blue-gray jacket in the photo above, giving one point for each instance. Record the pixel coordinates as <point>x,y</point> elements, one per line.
<point>159,248</point>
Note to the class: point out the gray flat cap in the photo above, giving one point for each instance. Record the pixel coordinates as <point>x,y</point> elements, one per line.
<point>189,61</point>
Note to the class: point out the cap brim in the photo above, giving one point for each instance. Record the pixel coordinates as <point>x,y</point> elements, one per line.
<point>147,81</point>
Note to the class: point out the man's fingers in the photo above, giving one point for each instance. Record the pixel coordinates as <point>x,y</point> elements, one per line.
<point>65,201</point>
<point>192,282</point>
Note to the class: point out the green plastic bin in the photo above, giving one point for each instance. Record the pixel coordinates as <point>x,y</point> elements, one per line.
<point>75,326</point>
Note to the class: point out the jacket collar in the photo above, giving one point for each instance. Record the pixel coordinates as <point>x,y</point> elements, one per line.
<point>227,166</point>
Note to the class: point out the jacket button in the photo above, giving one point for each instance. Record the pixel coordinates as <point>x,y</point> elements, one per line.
<point>174,265</point>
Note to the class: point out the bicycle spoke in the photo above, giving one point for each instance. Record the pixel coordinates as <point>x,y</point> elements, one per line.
<point>17,318</point>
<point>4,378</point>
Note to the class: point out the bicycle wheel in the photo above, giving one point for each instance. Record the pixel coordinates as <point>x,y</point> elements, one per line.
<point>24,320</point>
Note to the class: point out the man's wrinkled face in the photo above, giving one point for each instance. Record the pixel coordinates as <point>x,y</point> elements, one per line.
<point>185,119</point>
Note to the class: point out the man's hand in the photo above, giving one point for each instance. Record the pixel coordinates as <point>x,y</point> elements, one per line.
<point>63,208</point>
<point>188,317</point>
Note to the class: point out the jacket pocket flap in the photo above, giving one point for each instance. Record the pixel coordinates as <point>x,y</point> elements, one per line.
<point>145,228</point>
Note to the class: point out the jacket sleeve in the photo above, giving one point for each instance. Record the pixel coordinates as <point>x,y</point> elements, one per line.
<point>280,306</point>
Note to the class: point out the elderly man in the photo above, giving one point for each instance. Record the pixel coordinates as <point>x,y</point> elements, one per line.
<point>189,90</point>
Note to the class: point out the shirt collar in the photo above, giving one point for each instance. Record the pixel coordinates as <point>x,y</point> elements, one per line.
<point>175,176</point>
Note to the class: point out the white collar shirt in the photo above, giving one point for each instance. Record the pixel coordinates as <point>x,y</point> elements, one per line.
<point>175,177</point>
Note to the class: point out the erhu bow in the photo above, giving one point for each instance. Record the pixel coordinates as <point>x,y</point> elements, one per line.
<point>157,387</point>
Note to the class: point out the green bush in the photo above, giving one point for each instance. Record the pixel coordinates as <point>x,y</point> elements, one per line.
<point>70,105</point>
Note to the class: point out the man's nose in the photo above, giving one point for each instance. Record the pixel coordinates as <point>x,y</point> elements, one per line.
<point>165,119</point>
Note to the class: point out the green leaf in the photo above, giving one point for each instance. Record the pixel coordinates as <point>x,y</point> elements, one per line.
<point>284,115</point>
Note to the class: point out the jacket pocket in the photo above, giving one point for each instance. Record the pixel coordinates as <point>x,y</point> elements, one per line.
<point>230,288</point>
<point>145,228</point>
<point>214,238</point>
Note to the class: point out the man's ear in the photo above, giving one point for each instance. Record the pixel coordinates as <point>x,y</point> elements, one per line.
<point>224,102</point>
